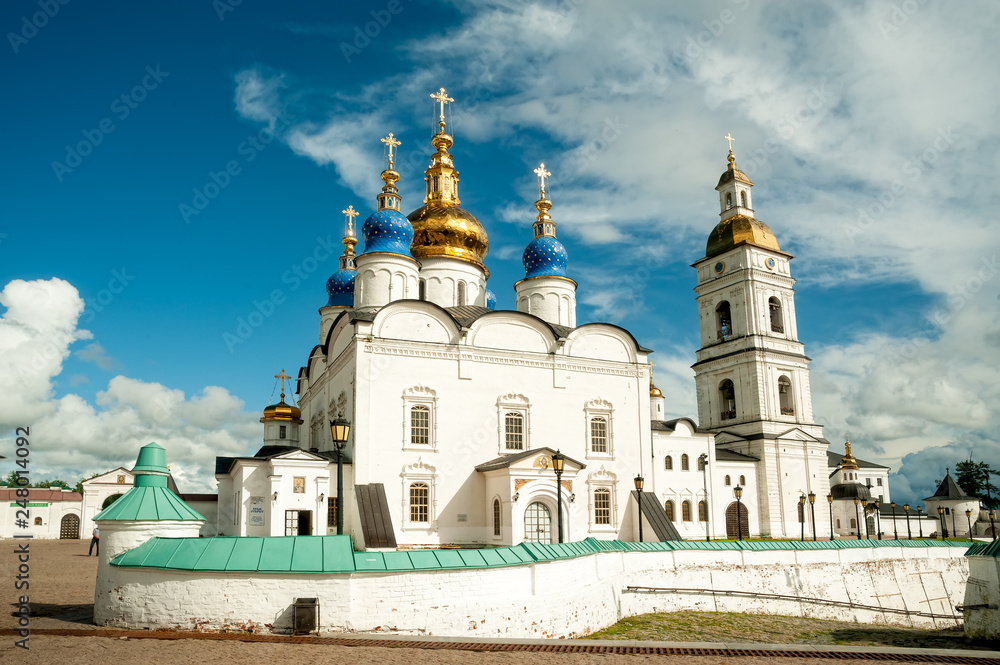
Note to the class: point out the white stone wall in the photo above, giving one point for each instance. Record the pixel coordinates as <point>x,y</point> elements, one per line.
<point>983,590</point>
<point>50,514</point>
<point>566,598</point>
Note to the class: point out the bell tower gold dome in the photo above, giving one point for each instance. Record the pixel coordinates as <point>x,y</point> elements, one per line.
<point>441,228</point>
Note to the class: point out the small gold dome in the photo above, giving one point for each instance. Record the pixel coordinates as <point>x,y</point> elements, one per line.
<point>282,411</point>
<point>654,391</point>
<point>740,230</point>
<point>448,231</point>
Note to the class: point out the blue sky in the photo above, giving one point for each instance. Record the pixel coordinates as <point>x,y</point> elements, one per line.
<point>866,127</point>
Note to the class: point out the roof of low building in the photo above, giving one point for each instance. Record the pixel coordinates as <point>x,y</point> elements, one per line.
<point>723,455</point>
<point>41,494</point>
<point>506,460</point>
<point>833,460</point>
<point>949,489</point>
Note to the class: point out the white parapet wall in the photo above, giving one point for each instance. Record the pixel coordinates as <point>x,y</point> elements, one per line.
<point>561,598</point>
<point>982,598</point>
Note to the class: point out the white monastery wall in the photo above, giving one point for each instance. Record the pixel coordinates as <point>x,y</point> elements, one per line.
<point>983,591</point>
<point>566,598</point>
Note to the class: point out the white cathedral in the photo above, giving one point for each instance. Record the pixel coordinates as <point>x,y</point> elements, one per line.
<point>456,408</point>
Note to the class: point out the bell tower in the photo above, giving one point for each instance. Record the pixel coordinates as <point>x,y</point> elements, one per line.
<point>752,374</point>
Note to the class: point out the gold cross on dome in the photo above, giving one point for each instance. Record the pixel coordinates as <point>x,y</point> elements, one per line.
<point>349,215</point>
<point>282,376</point>
<point>729,138</point>
<point>391,142</point>
<point>542,175</point>
<point>441,98</point>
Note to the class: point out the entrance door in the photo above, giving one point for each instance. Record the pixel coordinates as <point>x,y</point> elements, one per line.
<point>69,527</point>
<point>305,523</point>
<point>538,524</point>
<point>298,522</point>
<point>737,526</point>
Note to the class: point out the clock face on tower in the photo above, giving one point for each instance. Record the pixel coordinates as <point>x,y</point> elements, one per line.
<point>720,267</point>
<point>769,263</point>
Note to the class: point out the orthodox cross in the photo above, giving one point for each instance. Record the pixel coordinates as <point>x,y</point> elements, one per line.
<point>391,142</point>
<point>729,138</point>
<point>441,98</point>
<point>542,175</point>
<point>349,216</point>
<point>282,376</point>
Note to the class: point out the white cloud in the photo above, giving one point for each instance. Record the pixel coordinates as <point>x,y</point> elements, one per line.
<point>95,353</point>
<point>72,438</point>
<point>256,95</point>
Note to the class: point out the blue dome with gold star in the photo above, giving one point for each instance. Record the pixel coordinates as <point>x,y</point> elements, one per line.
<point>340,288</point>
<point>387,231</point>
<point>491,299</point>
<point>545,256</point>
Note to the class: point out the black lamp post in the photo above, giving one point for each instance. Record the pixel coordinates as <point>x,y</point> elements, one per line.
<point>704,468</point>
<point>920,520</point>
<point>968,517</point>
<point>638,491</point>
<point>738,491</point>
<point>993,529</point>
<point>877,518</point>
<point>802,516</point>
<point>906,509</point>
<point>895,531</point>
<point>864,511</point>
<point>829,501</point>
<point>812,511</point>
<point>954,531</point>
<point>857,519</point>
<point>558,463</point>
<point>340,429</point>
<point>944,527</point>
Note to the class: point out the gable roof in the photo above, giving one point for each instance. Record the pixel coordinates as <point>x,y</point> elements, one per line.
<point>723,455</point>
<point>40,494</point>
<point>223,465</point>
<point>504,461</point>
<point>833,460</point>
<point>671,425</point>
<point>949,489</point>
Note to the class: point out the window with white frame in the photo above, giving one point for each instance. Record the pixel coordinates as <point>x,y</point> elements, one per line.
<point>420,418</point>
<point>599,428</point>
<point>419,505</point>
<point>603,511</point>
<point>514,418</point>
<point>496,518</point>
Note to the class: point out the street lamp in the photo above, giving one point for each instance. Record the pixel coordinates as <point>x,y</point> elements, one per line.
<point>812,511</point>
<point>704,468</point>
<point>829,500</point>
<point>968,517</point>
<point>895,531</point>
<point>738,491</point>
<point>864,511</point>
<point>920,520</point>
<point>993,529</point>
<point>802,516</point>
<point>954,531</point>
<point>340,429</point>
<point>944,528</point>
<point>877,515</point>
<point>906,509</point>
<point>558,462</point>
<point>857,519</point>
<point>638,491</point>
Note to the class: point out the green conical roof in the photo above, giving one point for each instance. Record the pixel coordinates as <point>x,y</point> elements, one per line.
<point>150,499</point>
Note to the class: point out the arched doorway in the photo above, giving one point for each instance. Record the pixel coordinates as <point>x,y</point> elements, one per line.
<point>69,527</point>
<point>538,523</point>
<point>736,528</point>
<point>111,499</point>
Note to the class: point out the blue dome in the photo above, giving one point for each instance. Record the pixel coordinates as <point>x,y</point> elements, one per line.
<point>544,257</point>
<point>340,288</point>
<point>491,300</point>
<point>387,231</point>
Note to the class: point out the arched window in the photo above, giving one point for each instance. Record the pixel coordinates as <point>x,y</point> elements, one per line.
<point>514,431</point>
<point>669,507</point>
<point>461,294</point>
<point>785,396</point>
<point>743,481</point>
<point>668,463</point>
<point>420,425</point>
<point>854,523</point>
<point>727,394</point>
<point>599,435</point>
<point>729,200</point>
<point>686,511</point>
<point>728,482</point>
<point>422,289</point>
<point>419,502</point>
<point>724,320</point>
<point>496,517</point>
<point>38,521</point>
<point>774,306</point>
<point>701,463</point>
<point>282,431</point>
<point>743,199</point>
<point>838,522</point>
<point>602,506</point>
<point>802,512</point>
<point>702,511</point>
<point>685,465</point>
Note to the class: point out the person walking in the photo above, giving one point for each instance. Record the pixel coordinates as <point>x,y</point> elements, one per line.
<point>96,540</point>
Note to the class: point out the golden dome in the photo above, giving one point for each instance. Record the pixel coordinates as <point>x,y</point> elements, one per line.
<point>654,391</point>
<point>282,411</point>
<point>448,230</point>
<point>740,230</point>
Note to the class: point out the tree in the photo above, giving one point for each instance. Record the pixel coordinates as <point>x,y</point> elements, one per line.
<point>974,479</point>
<point>79,484</point>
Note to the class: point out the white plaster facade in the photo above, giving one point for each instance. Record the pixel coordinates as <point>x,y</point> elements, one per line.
<point>49,511</point>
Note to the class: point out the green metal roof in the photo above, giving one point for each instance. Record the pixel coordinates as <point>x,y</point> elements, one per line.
<point>335,554</point>
<point>144,503</point>
<point>985,549</point>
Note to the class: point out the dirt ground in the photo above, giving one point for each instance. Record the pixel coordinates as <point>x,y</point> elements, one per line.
<point>62,595</point>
